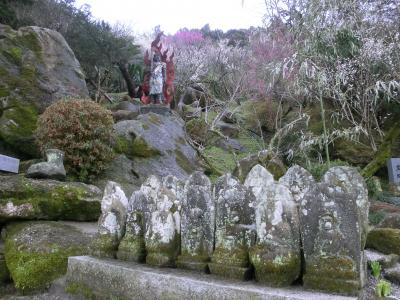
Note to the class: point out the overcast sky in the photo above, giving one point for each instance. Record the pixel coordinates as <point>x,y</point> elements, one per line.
<point>144,15</point>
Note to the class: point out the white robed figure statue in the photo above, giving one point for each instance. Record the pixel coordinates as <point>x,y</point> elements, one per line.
<point>157,79</point>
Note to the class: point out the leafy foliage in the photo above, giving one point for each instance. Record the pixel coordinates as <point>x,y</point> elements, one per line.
<point>383,288</point>
<point>375,269</point>
<point>83,130</point>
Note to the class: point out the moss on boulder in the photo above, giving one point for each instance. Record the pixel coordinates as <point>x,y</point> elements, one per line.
<point>37,253</point>
<point>385,240</point>
<point>37,67</point>
<point>30,199</point>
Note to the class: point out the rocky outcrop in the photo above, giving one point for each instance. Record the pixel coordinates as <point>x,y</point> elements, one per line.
<point>36,253</point>
<point>37,68</point>
<point>152,144</point>
<point>33,199</point>
<point>385,240</point>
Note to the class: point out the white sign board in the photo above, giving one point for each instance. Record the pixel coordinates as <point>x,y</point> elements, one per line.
<point>393,165</point>
<point>9,164</point>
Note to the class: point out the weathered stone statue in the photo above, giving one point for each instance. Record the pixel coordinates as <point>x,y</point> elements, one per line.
<point>197,223</point>
<point>141,204</point>
<point>53,168</point>
<point>235,229</point>
<point>276,256</point>
<point>157,79</point>
<point>334,218</point>
<point>162,237</point>
<point>112,221</point>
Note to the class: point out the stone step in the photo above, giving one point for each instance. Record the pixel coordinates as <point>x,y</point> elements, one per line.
<point>105,278</point>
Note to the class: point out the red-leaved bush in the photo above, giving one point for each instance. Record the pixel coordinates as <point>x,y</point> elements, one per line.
<point>83,130</point>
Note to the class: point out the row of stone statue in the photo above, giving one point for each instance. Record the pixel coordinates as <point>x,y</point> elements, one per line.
<point>294,229</point>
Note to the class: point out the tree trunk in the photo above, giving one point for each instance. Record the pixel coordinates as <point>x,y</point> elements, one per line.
<point>384,152</point>
<point>129,82</point>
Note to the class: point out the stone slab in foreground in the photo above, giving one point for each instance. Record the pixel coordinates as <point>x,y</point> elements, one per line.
<point>105,278</point>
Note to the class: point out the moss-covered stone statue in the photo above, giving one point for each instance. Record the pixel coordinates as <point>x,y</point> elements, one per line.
<point>162,237</point>
<point>276,256</point>
<point>197,223</point>
<point>334,221</point>
<point>235,229</point>
<point>112,221</point>
<point>141,204</point>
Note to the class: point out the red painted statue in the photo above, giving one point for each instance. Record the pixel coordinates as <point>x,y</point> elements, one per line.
<point>158,82</point>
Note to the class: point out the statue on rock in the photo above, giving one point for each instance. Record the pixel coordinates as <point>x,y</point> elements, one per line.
<point>235,229</point>
<point>197,224</point>
<point>276,256</point>
<point>158,83</point>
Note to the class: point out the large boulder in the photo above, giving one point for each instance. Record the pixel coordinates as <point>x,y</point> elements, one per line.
<point>37,253</point>
<point>37,68</point>
<point>152,144</point>
<point>31,199</point>
<point>385,240</point>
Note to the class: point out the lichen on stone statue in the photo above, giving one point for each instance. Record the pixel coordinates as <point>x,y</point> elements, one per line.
<point>197,224</point>
<point>276,256</point>
<point>235,229</point>
<point>111,225</point>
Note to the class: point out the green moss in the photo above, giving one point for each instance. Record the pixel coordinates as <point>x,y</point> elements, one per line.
<point>385,240</point>
<point>155,119</point>
<point>132,248</point>
<point>163,254</point>
<point>61,202</point>
<point>136,148</point>
<point>222,160</point>
<point>232,264</point>
<point>183,162</point>
<point>332,274</point>
<point>14,54</point>
<point>80,289</point>
<point>34,269</point>
<point>104,245</point>
<point>30,40</point>
<point>141,149</point>
<point>280,271</point>
<point>122,145</point>
<point>18,131</point>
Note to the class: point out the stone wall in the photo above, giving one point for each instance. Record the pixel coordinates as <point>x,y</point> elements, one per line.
<point>295,230</point>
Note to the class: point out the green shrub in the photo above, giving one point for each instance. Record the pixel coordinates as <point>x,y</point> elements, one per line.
<point>83,130</point>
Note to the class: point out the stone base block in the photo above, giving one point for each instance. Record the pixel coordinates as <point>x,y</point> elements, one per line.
<point>105,279</point>
<point>231,271</point>
<point>331,285</point>
<point>199,266</point>
<point>160,260</point>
